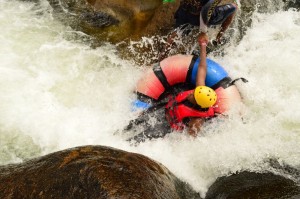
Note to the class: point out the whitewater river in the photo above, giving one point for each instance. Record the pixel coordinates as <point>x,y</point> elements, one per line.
<point>56,92</point>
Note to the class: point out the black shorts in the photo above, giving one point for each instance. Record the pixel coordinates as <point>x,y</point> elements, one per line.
<point>220,14</point>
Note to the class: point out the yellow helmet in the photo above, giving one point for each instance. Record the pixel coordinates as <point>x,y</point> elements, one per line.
<point>205,96</point>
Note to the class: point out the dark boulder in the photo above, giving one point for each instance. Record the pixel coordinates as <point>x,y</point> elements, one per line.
<point>252,185</point>
<point>292,4</point>
<point>104,172</point>
<point>114,20</point>
<point>91,172</point>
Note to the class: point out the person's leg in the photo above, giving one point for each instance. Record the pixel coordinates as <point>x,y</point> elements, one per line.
<point>222,15</point>
<point>183,17</point>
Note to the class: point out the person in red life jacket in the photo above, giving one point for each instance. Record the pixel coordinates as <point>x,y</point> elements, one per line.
<point>188,109</point>
<point>191,108</point>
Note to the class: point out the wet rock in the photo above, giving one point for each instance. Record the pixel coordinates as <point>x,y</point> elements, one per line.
<point>116,20</point>
<point>139,28</point>
<point>91,172</point>
<point>109,20</point>
<point>104,172</point>
<point>100,19</point>
<point>292,4</point>
<point>253,185</point>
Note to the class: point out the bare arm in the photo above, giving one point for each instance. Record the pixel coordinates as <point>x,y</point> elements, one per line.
<point>224,27</point>
<point>196,123</point>
<point>201,73</point>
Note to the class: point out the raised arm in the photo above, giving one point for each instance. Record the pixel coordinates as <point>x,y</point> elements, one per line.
<point>196,123</point>
<point>201,73</point>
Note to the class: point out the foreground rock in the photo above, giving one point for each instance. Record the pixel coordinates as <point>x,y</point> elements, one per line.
<point>92,172</point>
<point>107,173</point>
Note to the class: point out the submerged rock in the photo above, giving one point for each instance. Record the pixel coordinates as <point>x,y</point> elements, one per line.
<point>92,172</point>
<point>292,4</point>
<point>252,185</point>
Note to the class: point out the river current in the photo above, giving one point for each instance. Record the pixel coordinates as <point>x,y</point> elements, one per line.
<point>56,92</point>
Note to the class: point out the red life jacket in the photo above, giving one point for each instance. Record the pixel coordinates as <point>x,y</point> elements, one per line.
<point>177,111</point>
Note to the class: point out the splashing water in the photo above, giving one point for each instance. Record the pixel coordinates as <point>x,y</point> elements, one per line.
<point>57,92</point>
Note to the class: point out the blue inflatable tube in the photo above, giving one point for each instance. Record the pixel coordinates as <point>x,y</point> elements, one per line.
<point>215,72</point>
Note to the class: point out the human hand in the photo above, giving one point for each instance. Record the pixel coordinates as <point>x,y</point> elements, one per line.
<point>203,39</point>
<point>219,37</point>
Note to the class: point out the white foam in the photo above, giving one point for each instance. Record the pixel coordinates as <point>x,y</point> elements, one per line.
<point>56,93</point>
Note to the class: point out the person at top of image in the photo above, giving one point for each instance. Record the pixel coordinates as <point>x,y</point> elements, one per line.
<point>202,13</point>
<point>205,13</point>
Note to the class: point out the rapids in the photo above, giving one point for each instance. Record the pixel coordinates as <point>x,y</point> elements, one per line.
<point>57,92</point>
